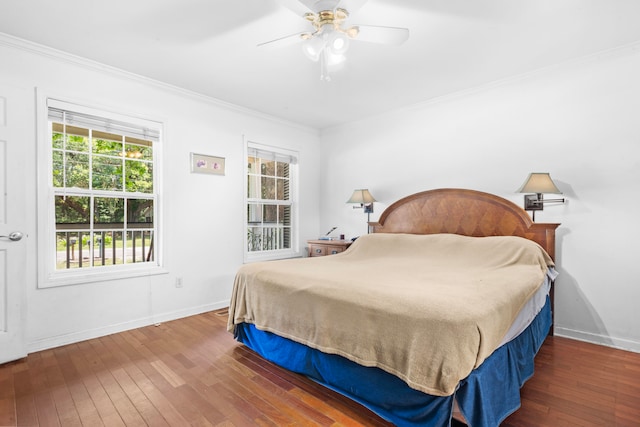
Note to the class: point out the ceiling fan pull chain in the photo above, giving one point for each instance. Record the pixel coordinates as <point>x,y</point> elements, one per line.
<point>324,66</point>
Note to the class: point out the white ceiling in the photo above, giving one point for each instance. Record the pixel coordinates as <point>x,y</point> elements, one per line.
<point>209,47</point>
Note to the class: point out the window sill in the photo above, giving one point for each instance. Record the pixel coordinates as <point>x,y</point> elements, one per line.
<point>102,274</point>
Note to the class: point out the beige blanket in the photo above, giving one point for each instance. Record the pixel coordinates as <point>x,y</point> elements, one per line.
<point>426,308</point>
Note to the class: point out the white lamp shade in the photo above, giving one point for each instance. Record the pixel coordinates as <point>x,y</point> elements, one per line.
<point>338,43</point>
<point>539,182</point>
<point>313,47</point>
<point>361,196</point>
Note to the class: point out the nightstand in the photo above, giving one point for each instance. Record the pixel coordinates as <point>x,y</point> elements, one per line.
<point>327,247</point>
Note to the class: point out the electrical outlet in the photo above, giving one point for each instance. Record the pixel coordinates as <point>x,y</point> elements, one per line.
<point>178,282</point>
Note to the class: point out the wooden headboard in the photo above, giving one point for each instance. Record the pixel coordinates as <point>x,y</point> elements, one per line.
<point>466,212</point>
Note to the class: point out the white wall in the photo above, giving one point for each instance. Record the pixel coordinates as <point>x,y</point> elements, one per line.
<point>203,214</point>
<point>580,121</point>
<point>577,121</point>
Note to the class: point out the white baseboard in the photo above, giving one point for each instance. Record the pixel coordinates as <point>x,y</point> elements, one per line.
<point>60,340</point>
<point>620,343</point>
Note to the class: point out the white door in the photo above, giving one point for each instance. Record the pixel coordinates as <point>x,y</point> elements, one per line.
<point>14,140</point>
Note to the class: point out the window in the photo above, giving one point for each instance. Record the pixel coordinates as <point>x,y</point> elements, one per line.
<point>270,203</point>
<point>102,195</point>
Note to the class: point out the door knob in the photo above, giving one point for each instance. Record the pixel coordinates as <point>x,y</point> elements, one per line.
<point>15,236</point>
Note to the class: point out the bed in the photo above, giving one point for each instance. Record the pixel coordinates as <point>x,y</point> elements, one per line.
<point>440,310</point>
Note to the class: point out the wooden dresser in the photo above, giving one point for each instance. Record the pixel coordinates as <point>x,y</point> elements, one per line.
<point>327,247</point>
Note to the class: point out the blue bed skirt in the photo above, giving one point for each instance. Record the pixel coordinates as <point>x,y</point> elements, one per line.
<point>486,397</point>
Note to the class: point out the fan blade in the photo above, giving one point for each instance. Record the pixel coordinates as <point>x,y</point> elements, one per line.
<point>385,35</point>
<point>282,41</point>
<point>302,7</point>
<point>352,6</point>
<point>298,7</point>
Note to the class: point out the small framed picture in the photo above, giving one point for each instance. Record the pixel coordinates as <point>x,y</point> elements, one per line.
<point>201,163</point>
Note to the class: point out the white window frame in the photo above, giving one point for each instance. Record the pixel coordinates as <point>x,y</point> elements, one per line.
<point>293,195</point>
<point>48,275</point>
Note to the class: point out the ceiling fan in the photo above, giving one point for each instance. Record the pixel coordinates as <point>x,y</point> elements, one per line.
<point>329,38</point>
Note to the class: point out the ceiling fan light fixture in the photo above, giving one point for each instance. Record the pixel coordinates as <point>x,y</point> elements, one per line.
<point>338,43</point>
<point>334,60</point>
<point>330,38</point>
<point>330,62</point>
<point>313,47</point>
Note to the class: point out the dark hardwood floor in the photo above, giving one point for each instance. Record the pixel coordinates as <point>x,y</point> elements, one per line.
<point>192,372</point>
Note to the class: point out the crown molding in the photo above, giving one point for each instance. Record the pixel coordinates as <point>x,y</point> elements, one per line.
<point>69,58</point>
<point>632,48</point>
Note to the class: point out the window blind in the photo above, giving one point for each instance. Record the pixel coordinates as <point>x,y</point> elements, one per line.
<point>104,124</point>
<point>272,155</point>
